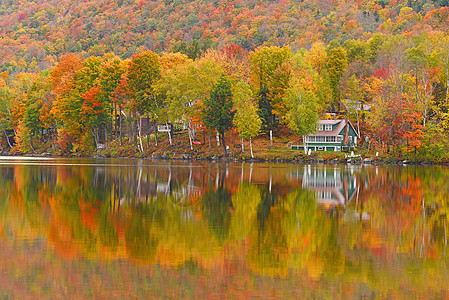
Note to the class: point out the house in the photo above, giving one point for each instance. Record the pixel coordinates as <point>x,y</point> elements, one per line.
<point>331,135</point>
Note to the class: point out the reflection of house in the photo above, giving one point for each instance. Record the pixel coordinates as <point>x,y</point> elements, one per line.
<point>332,135</point>
<point>331,186</point>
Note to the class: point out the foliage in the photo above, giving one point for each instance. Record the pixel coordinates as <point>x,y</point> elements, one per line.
<point>218,112</point>
<point>388,80</point>
<point>271,70</point>
<point>246,120</point>
<point>303,109</point>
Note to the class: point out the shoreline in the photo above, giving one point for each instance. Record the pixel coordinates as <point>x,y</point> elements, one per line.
<point>346,161</point>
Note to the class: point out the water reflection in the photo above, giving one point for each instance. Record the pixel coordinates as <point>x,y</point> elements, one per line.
<point>376,228</point>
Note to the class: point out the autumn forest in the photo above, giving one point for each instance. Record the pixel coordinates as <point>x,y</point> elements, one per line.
<point>81,76</point>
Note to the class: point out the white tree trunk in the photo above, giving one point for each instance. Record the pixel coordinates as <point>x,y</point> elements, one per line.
<point>243,149</point>
<point>140,133</point>
<point>251,147</point>
<point>95,138</point>
<point>305,144</point>
<point>190,138</point>
<point>424,119</point>
<point>169,134</point>
<point>7,139</point>
<point>155,133</point>
<point>218,140</point>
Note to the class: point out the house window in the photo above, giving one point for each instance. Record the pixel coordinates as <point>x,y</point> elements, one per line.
<point>339,139</point>
<point>330,139</point>
<point>328,127</point>
<point>310,139</point>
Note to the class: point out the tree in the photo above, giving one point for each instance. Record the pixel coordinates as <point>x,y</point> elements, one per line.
<point>6,104</point>
<point>310,68</point>
<point>170,89</point>
<point>67,98</point>
<point>247,120</point>
<point>143,72</point>
<point>394,117</point>
<point>423,61</point>
<point>186,87</point>
<point>443,43</point>
<point>317,57</point>
<point>236,62</point>
<point>354,100</point>
<point>92,112</point>
<point>336,63</point>
<point>218,110</point>
<point>303,109</point>
<point>111,70</point>
<point>271,67</point>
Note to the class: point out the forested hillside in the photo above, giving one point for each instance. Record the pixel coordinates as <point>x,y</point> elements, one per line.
<point>77,75</point>
<point>34,34</point>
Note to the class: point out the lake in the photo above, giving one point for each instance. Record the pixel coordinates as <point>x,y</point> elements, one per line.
<point>128,228</point>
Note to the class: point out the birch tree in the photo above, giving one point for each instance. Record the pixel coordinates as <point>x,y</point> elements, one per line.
<point>303,108</point>
<point>246,120</point>
<point>424,66</point>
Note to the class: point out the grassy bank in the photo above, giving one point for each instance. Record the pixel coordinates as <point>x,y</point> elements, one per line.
<point>263,150</point>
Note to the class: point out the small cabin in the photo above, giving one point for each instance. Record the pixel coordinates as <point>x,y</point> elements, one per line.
<point>331,135</point>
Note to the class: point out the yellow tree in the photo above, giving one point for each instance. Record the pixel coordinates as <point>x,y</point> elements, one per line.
<point>271,72</point>
<point>246,120</point>
<point>186,87</point>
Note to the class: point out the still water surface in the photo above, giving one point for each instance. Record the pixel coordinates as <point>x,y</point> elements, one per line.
<point>86,228</point>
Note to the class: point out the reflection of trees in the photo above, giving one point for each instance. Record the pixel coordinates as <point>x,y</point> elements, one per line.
<point>245,202</point>
<point>116,212</point>
<point>268,199</point>
<point>141,240</point>
<point>268,252</point>
<point>216,206</point>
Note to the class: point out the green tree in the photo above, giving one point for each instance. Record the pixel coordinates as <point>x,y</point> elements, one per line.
<point>218,112</point>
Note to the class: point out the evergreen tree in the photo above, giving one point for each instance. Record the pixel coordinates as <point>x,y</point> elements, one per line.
<point>266,111</point>
<point>218,110</point>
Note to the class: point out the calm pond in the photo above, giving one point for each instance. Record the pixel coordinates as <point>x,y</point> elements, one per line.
<point>115,228</point>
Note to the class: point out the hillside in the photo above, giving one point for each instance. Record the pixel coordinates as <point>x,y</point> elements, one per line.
<point>34,34</point>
